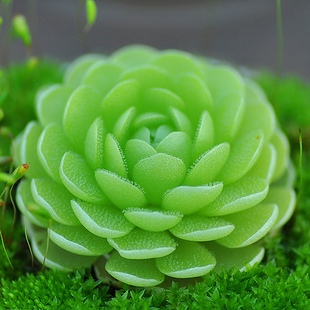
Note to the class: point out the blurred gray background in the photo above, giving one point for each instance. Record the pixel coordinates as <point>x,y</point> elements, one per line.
<point>240,31</point>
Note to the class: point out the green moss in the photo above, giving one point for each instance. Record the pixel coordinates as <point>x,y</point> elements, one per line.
<point>280,282</point>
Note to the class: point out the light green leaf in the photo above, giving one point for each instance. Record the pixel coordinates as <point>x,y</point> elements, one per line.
<point>78,240</point>
<point>143,244</point>
<point>74,74</point>
<point>204,137</point>
<point>28,153</point>
<point>250,225</point>
<point>81,110</point>
<point>190,199</point>
<point>206,168</point>
<point>79,179</point>
<point>241,195</point>
<point>94,144</point>
<point>121,192</point>
<point>177,62</point>
<point>153,219</point>
<point>149,77</point>
<point>58,258</point>
<point>119,99</point>
<point>285,199</point>
<point>24,200</point>
<point>243,155</point>
<point>189,260</point>
<point>202,228</point>
<point>177,144</point>
<point>134,55</point>
<point>240,258</point>
<point>181,121</point>
<point>114,156</point>
<point>281,144</point>
<point>55,199</point>
<point>103,75</point>
<point>52,145</point>
<point>134,272</point>
<point>51,104</point>
<point>159,99</point>
<point>103,220</point>
<point>158,173</point>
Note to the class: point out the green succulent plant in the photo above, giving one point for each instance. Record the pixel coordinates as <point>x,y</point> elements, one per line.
<point>151,164</point>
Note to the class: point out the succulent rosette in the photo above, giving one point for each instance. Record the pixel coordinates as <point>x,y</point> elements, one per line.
<point>153,164</point>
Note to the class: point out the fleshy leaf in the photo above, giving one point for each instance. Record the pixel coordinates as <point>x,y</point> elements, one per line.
<point>81,110</point>
<point>55,199</point>
<point>189,260</point>
<point>134,272</point>
<point>264,119</point>
<point>51,104</point>
<point>159,99</point>
<point>52,145</point>
<point>119,99</point>
<point>201,228</point>
<point>153,219</point>
<point>282,147</point>
<point>94,144</point>
<point>204,137</point>
<point>75,72</point>
<point>28,153</point>
<point>134,55</point>
<point>194,93</point>
<point>114,156</point>
<point>241,195</point>
<point>266,163</point>
<point>143,244</point>
<point>207,167</point>
<point>177,62</point>
<point>135,150</point>
<point>177,144</point>
<point>149,77</point>
<point>190,199</point>
<point>227,116</point>
<point>161,133</point>
<point>150,119</point>
<point>58,258</point>
<point>239,258</point>
<point>78,240</point>
<point>243,155</point>
<point>121,192</point>
<point>222,80</point>
<point>158,173</point>
<point>285,199</point>
<point>250,225</point>
<point>121,129</point>
<point>24,201</point>
<point>103,220</point>
<point>79,179</point>
<point>102,75</point>
<point>181,121</point>
<point>143,134</point>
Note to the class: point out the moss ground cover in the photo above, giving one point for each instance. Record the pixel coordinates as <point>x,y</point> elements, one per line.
<point>281,281</point>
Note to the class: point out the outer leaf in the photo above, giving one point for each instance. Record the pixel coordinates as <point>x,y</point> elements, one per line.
<point>78,240</point>
<point>250,225</point>
<point>190,199</point>
<point>55,199</point>
<point>121,192</point>
<point>153,219</point>
<point>238,196</point>
<point>79,179</point>
<point>103,220</point>
<point>81,111</point>
<point>143,244</point>
<point>189,260</point>
<point>200,228</point>
<point>134,272</point>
